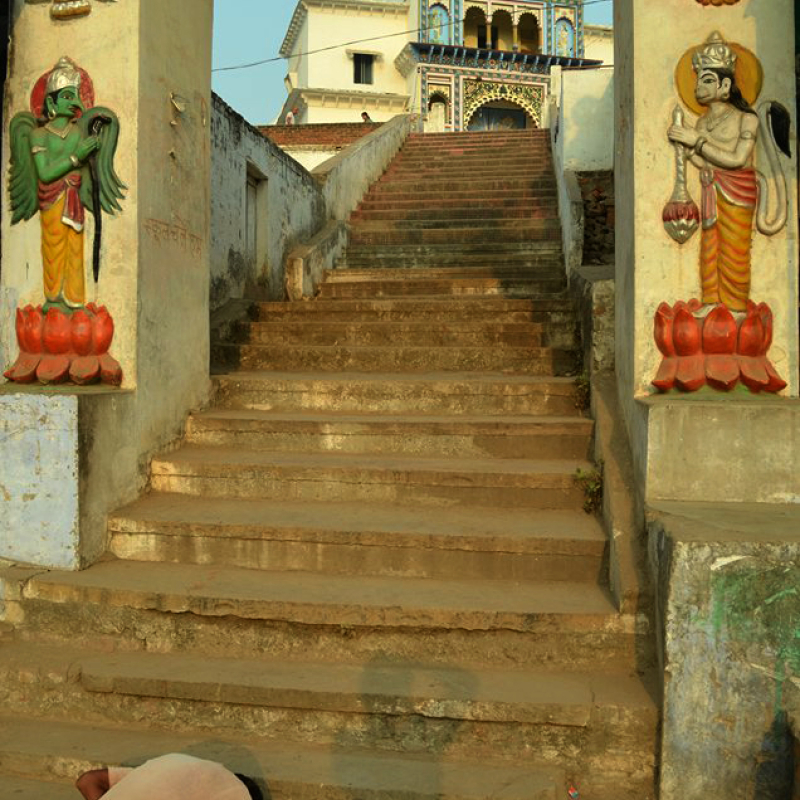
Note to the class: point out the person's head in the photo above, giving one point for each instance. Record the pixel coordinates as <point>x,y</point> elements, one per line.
<point>365,116</point>
<point>252,787</point>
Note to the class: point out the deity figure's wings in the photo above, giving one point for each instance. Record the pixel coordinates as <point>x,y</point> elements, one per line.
<point>23,183</point>
<point>103,123</point>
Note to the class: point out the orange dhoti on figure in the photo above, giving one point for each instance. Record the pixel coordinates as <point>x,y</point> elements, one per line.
<point>729,205</point>
<point>62,218</point>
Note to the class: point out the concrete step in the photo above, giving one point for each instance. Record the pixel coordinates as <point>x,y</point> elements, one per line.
<point>483,138</point>
<point>459,710</point>
<point>540,361</point>
<point>351,539</point>
<point>12,788</point>
<point>229,472</point>
<point>489,223</point>
<point>504,253</point>
<point>57,749</point>
<point>515,230</point>
<point>220,611</point>
<point>452,215</point>
<point>456,287</point>
<point>415,184</point>
<point>534,196</point>
<point>500,272</point>
<point>369,257</point>
<point>432,393</point>
<point>406,334</point>
<point>552,311</point>
<point>478,167</point>
<point>409,434</point>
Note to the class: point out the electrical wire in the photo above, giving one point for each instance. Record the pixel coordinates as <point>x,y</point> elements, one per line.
<point>361,41</point>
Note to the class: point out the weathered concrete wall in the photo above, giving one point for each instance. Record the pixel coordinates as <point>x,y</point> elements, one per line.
<point>39,479</point>
<point>581,120</point>
<point>587,114</point>
<point>739,449</point>
<point>729,613</point>
<point>289,209</point>
<point>151,63</point>
<point>347,176</point>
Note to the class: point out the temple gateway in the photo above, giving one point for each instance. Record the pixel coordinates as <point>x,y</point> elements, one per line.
<point>461,64</point>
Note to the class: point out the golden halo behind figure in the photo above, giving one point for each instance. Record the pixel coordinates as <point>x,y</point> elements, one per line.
<point>749,76</point>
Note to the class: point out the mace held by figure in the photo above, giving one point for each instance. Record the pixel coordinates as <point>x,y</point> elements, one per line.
<point>62,163</point>
<point>720,82</point>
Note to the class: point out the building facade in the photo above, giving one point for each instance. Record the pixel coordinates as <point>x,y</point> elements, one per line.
<point>460,64</point>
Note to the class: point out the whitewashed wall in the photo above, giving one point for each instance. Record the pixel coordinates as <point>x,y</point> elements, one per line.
<point>290,205</point>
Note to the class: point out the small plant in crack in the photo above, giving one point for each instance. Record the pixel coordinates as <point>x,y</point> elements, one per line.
<point>591,481</point>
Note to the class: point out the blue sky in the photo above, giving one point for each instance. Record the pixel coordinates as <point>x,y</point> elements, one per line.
<point>251,30</point>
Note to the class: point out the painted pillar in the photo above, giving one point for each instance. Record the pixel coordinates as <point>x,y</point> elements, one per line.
<point>149,63</point>
<point>516,36</point>
<point>716,344</point>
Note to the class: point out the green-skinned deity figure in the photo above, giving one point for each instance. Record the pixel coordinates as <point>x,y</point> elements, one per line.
<point>62,164</point>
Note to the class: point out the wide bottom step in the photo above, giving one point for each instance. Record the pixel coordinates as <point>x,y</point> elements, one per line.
<point>58,751</point>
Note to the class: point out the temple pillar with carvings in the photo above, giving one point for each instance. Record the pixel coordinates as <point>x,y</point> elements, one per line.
<point>707,371</point>
<point>106,347</point>
<point>706,258</point>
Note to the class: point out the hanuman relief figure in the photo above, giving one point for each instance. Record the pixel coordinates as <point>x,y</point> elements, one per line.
<point>723,338</point>
<point>722,146</point>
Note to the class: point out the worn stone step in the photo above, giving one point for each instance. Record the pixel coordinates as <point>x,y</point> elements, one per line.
<point>535,197</point>
<point>430,258</point>
<point>500,309</point>
<point>465,184</point>
<point>511,230</point>
<point>57,749</point>
<point>406,334</point>
<point>396,358</point>
<point>498,272</point>
<point>230,612</point>
<point>452,215</point>
<point>392,706</point>
<point>503,251</point>
<point>12,788</point>
<point>522,289</point>
<point>478,167</point>
<point>335,477</point>
<point>498,223</point>
<point>434,393</point>
<point>350,539</point>
<point>377,687</point>
<point>409,434</point>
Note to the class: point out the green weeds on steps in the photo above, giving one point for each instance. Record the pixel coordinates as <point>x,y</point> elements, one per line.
<point>591,481</point>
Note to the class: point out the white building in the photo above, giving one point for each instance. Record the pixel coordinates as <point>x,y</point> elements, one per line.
<point>461,64</point>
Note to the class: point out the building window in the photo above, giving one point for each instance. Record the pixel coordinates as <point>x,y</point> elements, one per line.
<point>362,67</point>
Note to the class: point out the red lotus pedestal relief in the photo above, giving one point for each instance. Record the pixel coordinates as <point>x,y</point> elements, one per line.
<point>55,347</point>
<point>715,348</point>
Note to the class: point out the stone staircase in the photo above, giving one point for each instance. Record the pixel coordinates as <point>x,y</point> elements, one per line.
<point>366,573</point>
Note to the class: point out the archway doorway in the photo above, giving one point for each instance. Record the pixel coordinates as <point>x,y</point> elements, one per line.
<point>438,113</point>
<point>499,115</point>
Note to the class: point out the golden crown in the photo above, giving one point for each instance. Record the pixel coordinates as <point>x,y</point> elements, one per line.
<point>64,74</point>
<point>714,54</point>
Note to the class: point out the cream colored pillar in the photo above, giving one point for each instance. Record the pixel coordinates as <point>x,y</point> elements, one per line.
<point>712,352</point>
<point>149,62</point>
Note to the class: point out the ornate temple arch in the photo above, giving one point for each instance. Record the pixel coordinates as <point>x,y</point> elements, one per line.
<point>529,97</point>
